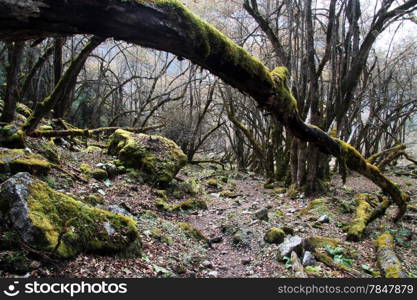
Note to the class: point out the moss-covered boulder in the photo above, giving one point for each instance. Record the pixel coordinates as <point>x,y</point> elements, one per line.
<point>157,157</point>
<point>11,136</point>
<point>274,236</point>
<point>56,223</point>
<point>190,204</point>
<point>13,161</point>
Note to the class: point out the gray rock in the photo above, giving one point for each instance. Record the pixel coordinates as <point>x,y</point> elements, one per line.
<point>213,273</point>
<point>15,191</point>
<point>207,264</point>
<point>246,261</point>
<point>308,259</point>
<point>293,243</point>
<point>323,219</point>
<point>262,214</point>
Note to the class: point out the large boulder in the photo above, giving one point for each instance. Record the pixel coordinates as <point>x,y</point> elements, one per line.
<point>13,161</point>
<point>56,223</point>
<point>157,157</point>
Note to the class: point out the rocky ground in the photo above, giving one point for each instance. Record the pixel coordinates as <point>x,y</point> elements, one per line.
<point>211,222</point>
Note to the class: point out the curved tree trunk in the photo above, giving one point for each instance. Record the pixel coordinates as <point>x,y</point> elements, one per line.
<point>169,26</point>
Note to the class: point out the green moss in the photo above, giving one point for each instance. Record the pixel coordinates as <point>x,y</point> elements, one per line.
<point>48,150</point>
<point>96,173</point>
<point>228,194</point>
<point>68,226</point>
<point>385,241</point>
<point>191,232</point>
<point>317,206</point>
<point>274,236</point>
<point>11,136</point>
<point>45,127</point>
<point>362,214</point>
<point>190,205</point>
<point>18,160</point>
<point>212,182</point>
<point>99,174</point>
<point>161,204</point>
<point>23,110</point>
<point>322,241</point>
<point>91,149</point>
<point>158,158</point>
<point>190,187</point>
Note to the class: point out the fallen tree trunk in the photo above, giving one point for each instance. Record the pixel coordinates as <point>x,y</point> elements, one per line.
<point>89,132</point>
<point>368,208</point>
<point>387,259</point>
<point>169,26</point>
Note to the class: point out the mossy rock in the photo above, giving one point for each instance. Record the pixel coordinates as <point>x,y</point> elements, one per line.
<point>274,236</point>
<point>99,174</point>
<point>92,149</point>
<point>56,223</point>
<point>46,148</point>
<point>13,161</point>
<point>190,204</point>
<point>212,182</point>
<point>157,157</point>
<point>11,136</point>
<point>190,187</point>
<point>96,173</point>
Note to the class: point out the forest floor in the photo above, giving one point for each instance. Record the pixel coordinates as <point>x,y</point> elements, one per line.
<point>237,247</point>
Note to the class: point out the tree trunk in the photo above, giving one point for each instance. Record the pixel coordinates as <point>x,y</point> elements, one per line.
<point>62,88</point>
<point>14,55</point>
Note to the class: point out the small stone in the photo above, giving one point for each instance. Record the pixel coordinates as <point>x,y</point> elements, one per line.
<point>207,264</point>
<point>262,214</point>
<point>213,274</point>
<point>323,219</point>
<point>246,261</point>
<point>294,243</point>
<point>308,259</point>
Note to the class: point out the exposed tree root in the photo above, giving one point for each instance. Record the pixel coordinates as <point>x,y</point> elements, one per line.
<point>368,208</point>
<point>387,259</point>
